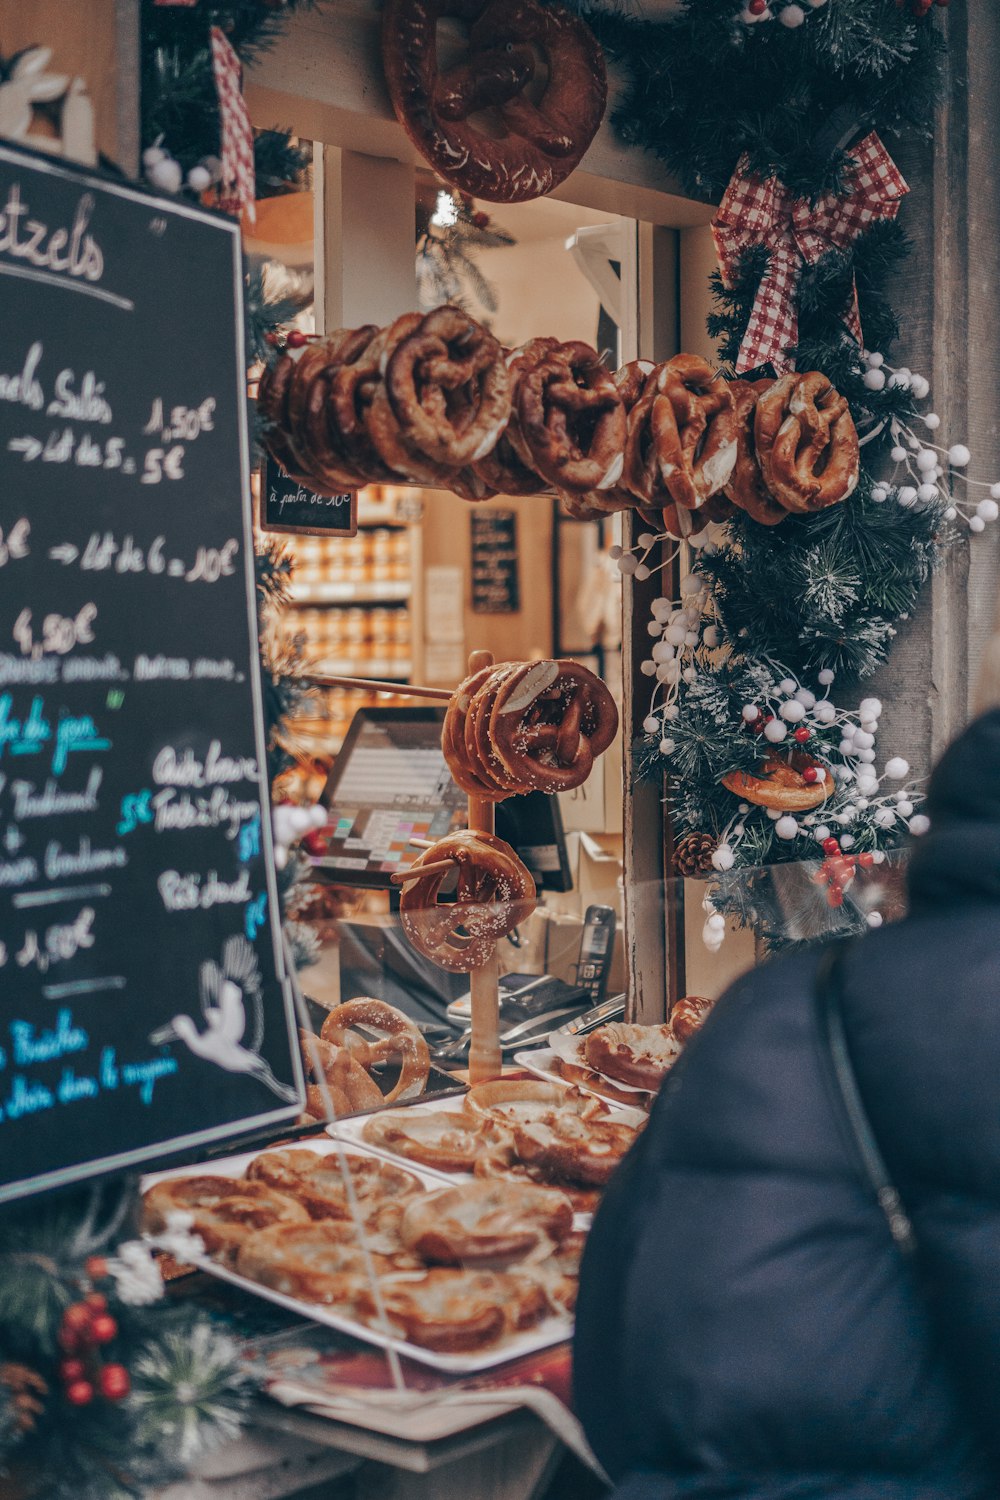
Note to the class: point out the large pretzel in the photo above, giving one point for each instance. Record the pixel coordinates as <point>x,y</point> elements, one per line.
<point>402,1040</point>
<point>526,144</point>
<point>746,487</point>
<point>780,785</point>
<point>570,423</point>
<point>479,745</point>
<point>694,430</point>
<point>448,387</point>
<point>549,721</point>
<point>352,388</point>
<point>311,414</point>
<point>504,468</point>
<point>453,741</point>
<point>807,444</point>
<point>494,893</point>
<point>272,393</point>
<point>631,380</point>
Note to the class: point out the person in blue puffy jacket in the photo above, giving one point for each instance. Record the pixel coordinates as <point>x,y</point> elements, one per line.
<point>747,1327</point>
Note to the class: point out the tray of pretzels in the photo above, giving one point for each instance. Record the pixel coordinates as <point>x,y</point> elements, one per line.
<point>434,399</point>
<point>460,1277</point>
<point>515,1130</point>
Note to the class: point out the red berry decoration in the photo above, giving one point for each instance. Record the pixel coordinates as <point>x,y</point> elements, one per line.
<point>810,775</point>
<point>802,734</point>
<point>72,1369</point>
<point>866,861</point>
<point>315,842</point>
<point>830,846</point>
<point>80,1393</point>
<point>76,1321</point>
<point>835,896</point>
<point>757,7</point>
<point>96,1268</point>
<point>97,1302</point>
<point>103,1329</point>
<point>296,339</point>
<point>115,1382</point>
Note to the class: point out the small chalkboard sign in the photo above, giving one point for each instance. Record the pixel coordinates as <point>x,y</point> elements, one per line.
<point>495,580</point>
<point>286,505</point>
<point>144,1003</point>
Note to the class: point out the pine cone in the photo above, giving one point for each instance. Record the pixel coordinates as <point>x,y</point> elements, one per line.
<point>693,854</point>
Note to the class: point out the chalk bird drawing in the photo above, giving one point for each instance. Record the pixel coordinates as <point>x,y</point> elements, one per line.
<point>230,994</point>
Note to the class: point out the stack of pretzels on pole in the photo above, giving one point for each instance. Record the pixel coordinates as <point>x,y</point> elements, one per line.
<point>434,400</point>
<point>515,727</point>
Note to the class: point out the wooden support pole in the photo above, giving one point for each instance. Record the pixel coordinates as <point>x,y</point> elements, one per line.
<point>484,1045</point>
<point>375,685</point>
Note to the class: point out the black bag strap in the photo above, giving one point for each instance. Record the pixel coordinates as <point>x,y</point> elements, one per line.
<point>833,1037</point>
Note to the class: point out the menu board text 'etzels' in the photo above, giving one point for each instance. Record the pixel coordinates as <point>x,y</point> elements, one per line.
<point>143,1006</point>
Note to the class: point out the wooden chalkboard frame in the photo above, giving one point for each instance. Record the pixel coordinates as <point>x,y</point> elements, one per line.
<point>158,1147</point>
<point>283,528</point>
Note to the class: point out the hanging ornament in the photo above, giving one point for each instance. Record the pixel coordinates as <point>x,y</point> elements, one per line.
<point>799,231</point>
<point>237,191</point>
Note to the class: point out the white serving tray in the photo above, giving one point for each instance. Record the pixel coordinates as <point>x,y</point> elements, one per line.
<point>542,1062</point>
<point>553,1330</point>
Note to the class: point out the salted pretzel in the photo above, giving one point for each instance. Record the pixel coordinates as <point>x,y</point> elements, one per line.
<point>494,893</point>
<point>447,384</point>
<point>495,1222</point>
<point>504,468</point>
<point>746,488</point>
<point>442,1139</point>
<point>316,432</point>
<point>807,443</point>
<point>639,1056</point>
<point>478,742</point>
<point>453,740</point>
<point>518,1101</point>
<point>345,1083</point>
<point>549,722</point>
<point>630,381</point>
<point>272,395</point>
<point>528,141</point>
<point>570,424</point>
<point>688,1014</point>
<point>567,1146</point>
<point>316,1180</point>
<point>304,1261</point>
<point>401,1041</point>
<point>779,783</point>
<point>455,1312</point>
<point>693,428</point>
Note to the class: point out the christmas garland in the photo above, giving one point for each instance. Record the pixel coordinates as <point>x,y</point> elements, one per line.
<point>770,106</point>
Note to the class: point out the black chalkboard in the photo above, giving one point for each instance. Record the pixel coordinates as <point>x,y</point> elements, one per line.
<point>285,505</point>
<point>143,1002</point>
<point>495,580</point>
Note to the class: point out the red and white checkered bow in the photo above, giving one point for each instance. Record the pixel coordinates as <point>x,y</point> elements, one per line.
<point>762,211</point>
<point>237,188</point>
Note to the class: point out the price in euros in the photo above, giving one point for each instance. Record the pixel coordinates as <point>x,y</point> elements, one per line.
<point>59,635</point>
<point>163,464</point>
<point>184,424</point>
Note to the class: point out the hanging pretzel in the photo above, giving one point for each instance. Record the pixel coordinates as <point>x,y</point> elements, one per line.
<point>807,444</point>
<point>631,380</point>
<point>402,1041</point>
<point>476,123</point>
<point>746,487</point>
<point>272,393</point>
<point>494,892</point>
<point>448,388</point>
<point>453,740</point>
<point>307,409</point>
<point>570,419</point>
<point>549,722</point>
<point>319,433</point>
<point>693,428</point>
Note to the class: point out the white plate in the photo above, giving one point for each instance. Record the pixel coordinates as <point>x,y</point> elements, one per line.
<point>541,1061</point>
<point>554,1330</point>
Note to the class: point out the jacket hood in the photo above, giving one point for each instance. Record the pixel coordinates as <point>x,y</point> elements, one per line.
<point>959,859</point>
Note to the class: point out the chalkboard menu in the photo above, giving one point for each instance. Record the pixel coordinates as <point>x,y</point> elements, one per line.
<point>286,505</point>
<point>495,582</point>
<point>143,1001</point>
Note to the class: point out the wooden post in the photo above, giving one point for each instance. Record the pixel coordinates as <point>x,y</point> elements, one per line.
<point>484,1044</point>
